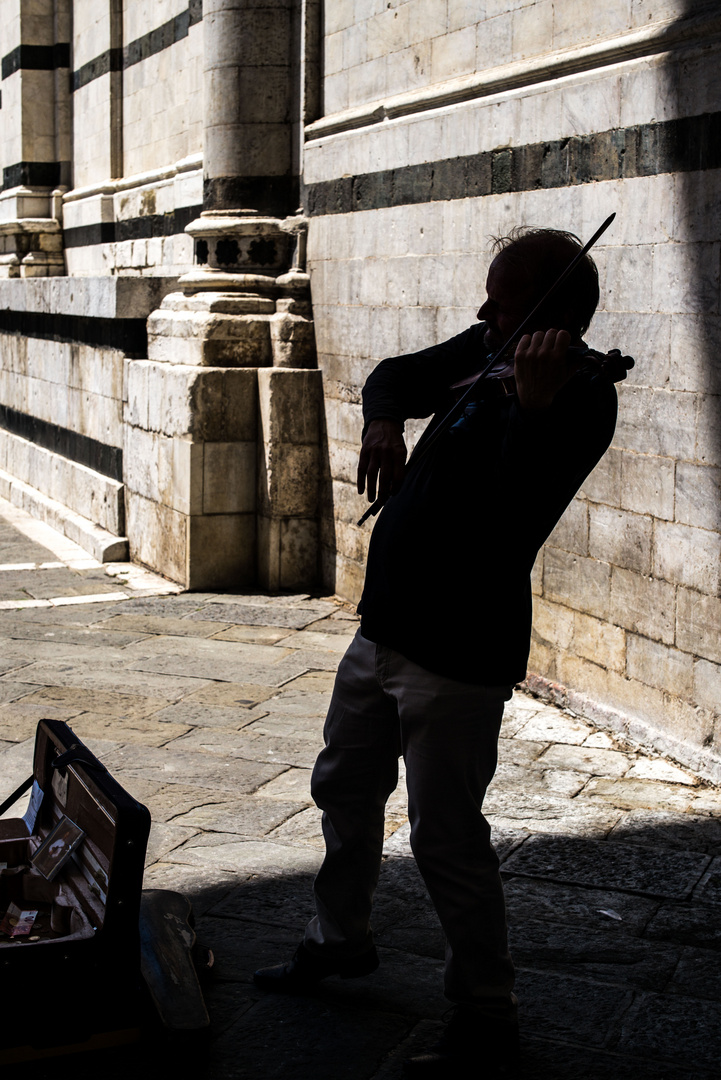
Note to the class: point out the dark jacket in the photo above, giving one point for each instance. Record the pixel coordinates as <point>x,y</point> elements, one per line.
<point>448,575</point>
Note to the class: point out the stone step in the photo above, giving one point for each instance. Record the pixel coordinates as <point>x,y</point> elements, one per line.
<point>98,542</point>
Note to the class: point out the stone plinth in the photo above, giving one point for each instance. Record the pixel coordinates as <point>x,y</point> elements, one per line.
<point>223,419</point>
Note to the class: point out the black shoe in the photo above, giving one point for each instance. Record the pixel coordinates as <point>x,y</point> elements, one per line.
<point>306,969</point>
<point>482,1046</point>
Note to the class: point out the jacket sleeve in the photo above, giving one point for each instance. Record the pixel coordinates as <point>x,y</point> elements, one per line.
<point>418,384</point>
<point>555,449</point>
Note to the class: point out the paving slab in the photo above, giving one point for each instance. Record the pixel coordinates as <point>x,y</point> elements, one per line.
<point>627,867</point>
<point>249,816</point>
<point>280,900</point>
<point>111,702</point>
<point>708,890</point>
<point>170,765</point>
<point>253,746</point>
<point>167,802</point>
<point>308,1042</point>
<point>629,794</point>
<point>229,852</point>
<point>544,1059</point>
<point>252,635</point>
<point>564,1007</point>
<point>10,690</point>
<point>165,838</point>
<point>292,616</point>
<point>154,624</point>
<point>535,779</point>
<point>546,813</point>
<point>659,769</point>
<point>519,751</point>
<point>620,913</point>
<point>206,885</point>
<point>302,828</point>
<point>698,974</point>
<point>587,759</point>
<point>143,731</point>
<point>672,1028</point>
<point>293,784</point>
<point>682,832</point>
<point>242,695</point>
<point>551,725</point>
<point>316,639</point>
<point>86,636</point>
<point>596,950</point>
<point>687,924</point>
<point>86,676</point>
<point>319,681</point>
<point>220,660</point>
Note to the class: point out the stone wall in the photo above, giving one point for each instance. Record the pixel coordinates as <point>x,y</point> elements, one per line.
<point>404,186</point>
<point>137,115</point>
<point>63,344</point>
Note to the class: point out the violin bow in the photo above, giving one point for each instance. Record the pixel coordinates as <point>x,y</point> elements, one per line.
<point>457,410</point>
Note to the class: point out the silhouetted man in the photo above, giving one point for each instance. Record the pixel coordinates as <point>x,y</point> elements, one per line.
<point>445,630</point>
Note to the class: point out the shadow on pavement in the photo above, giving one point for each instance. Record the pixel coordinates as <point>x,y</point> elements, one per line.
<point>617,944</point>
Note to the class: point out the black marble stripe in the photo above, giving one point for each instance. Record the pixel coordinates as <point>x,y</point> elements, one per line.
<point>32,174</point>
<point>103,459</point>
<point>687,144</point>
<point>128,335</point>
<point>110,60</point>
<point>162,37</point>
<point>275,195</point>
<point>36,58</point>
<point>138,228</point>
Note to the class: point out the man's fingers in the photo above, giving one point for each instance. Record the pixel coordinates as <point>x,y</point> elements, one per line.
<point>372,477</point>
<point>382,459</point>
<point>362,471</point>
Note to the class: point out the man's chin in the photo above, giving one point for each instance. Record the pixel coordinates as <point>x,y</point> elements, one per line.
<point>492,340</point>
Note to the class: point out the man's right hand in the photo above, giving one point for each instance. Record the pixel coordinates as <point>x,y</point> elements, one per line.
<point>382,459</point>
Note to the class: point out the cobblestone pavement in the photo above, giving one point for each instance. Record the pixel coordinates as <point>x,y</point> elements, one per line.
<point>209,709</point>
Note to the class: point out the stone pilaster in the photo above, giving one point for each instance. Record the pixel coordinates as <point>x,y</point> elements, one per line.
<point>240,506</point>
<point>36,136</point>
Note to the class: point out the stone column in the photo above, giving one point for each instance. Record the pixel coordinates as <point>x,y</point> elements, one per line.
<point>249,97</point>
<point>36,126</point>
<point>238,505</point>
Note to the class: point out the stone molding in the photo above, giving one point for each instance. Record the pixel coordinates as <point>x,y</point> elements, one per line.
<point>31,247</point>
<point>632,45</point>
<point>123,183</point>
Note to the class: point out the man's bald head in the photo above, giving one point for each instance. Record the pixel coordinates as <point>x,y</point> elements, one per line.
<point>537,257</point>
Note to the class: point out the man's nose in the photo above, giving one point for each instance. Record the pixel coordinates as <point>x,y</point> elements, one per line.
<point>482,311</point>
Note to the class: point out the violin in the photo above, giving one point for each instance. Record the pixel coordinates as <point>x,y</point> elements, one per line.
<point>500,379</point>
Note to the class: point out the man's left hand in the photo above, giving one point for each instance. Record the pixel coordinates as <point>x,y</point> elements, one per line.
<point>542,366</point>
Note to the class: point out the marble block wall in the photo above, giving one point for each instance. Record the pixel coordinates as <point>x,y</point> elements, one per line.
<point>138,136</point>
<point>441,130</point>
<point>63,344</point>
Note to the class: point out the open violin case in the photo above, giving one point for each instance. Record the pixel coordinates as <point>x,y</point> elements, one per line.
<point>71,872</point>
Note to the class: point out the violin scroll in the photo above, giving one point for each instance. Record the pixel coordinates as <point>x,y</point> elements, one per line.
<point>613,364</point>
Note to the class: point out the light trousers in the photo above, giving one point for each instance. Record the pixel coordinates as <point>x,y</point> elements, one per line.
<point>384,705</point>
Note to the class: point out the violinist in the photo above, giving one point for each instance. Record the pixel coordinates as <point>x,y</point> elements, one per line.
<point>445,630</point>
